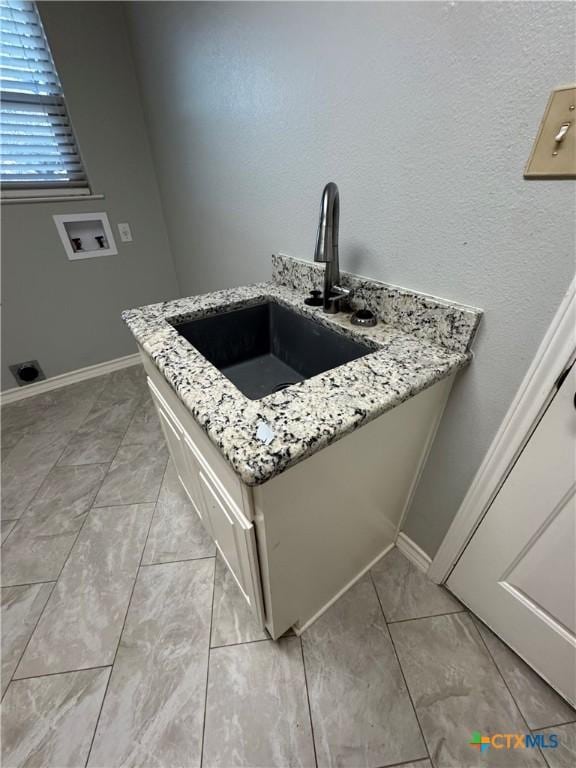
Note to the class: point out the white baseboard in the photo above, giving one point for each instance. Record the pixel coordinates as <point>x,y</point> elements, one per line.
<point>298,630</point>
<point>64,379</point>
<point>413,552</point>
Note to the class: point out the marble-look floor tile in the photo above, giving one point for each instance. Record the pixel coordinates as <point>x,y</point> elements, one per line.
<point>232,619</point>
<point>10,438</point>
<point>5,528</point>
<point>257,712</point>
<point>91,448</point>
<point>97,440</point>
<point>176,532</point>
<point>41,540</point>
<point>457,689</point>
<point>540,704</point>
<point>406,593</point>
<point>134,476</point>
<point>20,608</point>
<point>60,410</point>
<point>5,453</point>
<point>564,755</point>
<point>125,383</point>
<point>417,764</point>
<point>81,624</point>
<point>154,707</point>
<point>361,711</point>
<point>19,417</point>
<point>72,404</point>
<point>48,722</point>
<point>145,426</point>
<point>25,469</point>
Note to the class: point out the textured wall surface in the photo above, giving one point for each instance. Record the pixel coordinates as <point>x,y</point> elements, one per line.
<point>424,114</point>
<point>67,313</point>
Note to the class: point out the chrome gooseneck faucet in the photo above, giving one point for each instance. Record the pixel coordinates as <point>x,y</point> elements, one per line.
<point>327,248</point>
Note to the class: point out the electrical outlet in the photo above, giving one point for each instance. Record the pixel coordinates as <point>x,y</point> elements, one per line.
<point>125,232</point>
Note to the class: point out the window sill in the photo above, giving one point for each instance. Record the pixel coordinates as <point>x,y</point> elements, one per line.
<point>49,199</point>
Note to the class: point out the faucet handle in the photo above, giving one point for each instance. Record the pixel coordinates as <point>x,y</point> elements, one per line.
<point>315,299</point>
<point>341,292</point>
<point>337,294</point>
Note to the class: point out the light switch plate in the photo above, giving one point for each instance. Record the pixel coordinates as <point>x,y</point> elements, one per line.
<point>554,152</point>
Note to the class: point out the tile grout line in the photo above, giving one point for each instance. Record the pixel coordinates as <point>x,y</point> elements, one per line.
<point>95,404</point>
<point>55,432</point>
<point>142,401</point>
<point>55,582</point>
<point>25,514</point>
<point>403,675</point>
<point>554,725</point>
<point>125,614</point>
<point>62,672</point>
<point>126,503</point>
<point>421,618</point>
<point>69,552</point>
<point>245,642</point>
<point>532,730</point>
<point>30,583</point>
<point>493,660</point>
<point>406,762</point>
<point>154,501</point>
<point>55,464</point>
<point>308,701</point>
<point>203,735</point>
<point>29,638</point>
<point>84,464</point>
<point>181,560</point>
<point>29,430</point>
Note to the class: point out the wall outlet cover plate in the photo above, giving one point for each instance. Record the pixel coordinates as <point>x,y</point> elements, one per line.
<point>553,155</point>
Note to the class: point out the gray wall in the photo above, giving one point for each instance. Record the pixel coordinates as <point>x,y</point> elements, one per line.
<point>424,114</point>
<point>67,313</point>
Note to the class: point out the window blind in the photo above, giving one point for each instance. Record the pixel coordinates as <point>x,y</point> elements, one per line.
<point>38,148</point>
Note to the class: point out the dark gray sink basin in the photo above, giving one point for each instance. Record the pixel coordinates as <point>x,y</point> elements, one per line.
<point>267,347</point>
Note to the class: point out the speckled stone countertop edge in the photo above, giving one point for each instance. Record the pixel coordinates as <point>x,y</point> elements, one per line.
<point>305,417</point>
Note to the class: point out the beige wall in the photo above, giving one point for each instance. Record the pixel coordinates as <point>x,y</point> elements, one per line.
<point>424,114</point>
<point>67,313</point>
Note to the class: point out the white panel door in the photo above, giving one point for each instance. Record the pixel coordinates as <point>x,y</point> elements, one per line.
<point>518,573</point>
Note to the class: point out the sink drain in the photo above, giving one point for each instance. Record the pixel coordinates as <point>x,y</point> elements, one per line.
<point>282,386</point>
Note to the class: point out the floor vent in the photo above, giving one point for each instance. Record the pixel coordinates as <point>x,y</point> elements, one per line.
<point>27,373</point>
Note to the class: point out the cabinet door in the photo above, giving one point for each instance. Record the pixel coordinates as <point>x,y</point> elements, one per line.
<point>193,486</point>
<point>234,536</point>
<point>180,453</point>
<point>173,439</point>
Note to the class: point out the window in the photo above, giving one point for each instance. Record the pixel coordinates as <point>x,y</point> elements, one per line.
<point>39,151</point>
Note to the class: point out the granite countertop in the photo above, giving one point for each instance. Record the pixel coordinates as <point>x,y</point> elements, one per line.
<point>419,341</point>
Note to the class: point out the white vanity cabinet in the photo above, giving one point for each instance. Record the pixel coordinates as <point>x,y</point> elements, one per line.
<point>225,522</point>
<point>180,452</point>
<point>297,542</point>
